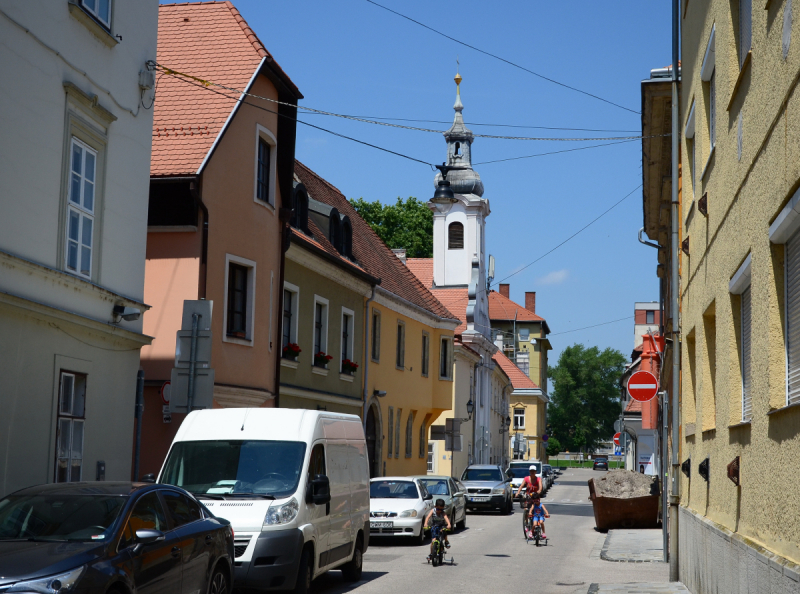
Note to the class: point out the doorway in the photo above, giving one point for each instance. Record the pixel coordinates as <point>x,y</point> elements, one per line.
<point>371,431</point>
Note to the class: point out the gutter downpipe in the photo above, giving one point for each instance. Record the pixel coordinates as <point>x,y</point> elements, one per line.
<point>475,413</point>
<point>674,305</point>
<point>367,353</point>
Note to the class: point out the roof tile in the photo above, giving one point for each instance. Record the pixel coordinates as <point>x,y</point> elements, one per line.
<point>519,380</point>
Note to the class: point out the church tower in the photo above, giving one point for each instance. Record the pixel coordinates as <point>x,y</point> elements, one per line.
<point>459,223</point>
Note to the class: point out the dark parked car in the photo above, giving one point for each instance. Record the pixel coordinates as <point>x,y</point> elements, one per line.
<point>117,536</point>
<point>600,464</point>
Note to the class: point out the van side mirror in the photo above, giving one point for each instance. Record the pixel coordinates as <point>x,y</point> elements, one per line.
<point>320,490</point>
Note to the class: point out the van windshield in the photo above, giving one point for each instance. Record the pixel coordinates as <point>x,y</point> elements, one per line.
<point>228,467</point>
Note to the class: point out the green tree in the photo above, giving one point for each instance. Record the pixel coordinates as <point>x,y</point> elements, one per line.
<point>585,399</point>
<point>553,446</point>
<point>407,224</point>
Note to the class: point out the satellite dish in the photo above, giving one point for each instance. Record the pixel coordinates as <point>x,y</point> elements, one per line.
<point>491,268</point>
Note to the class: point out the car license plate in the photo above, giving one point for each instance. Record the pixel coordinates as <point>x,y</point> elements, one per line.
<point>479,499</point>
<point>381,524</point>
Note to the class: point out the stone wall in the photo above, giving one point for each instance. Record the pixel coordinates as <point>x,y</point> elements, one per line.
<point>715,560</point>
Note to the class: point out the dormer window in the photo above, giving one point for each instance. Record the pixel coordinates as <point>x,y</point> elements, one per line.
<point>347,238</point>
<point>300,206</point>
<point>455,236</point>
<point>335,230</point>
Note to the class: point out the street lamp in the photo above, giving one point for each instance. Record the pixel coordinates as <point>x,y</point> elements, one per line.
<point>470,408</point>
<point>505,425</point>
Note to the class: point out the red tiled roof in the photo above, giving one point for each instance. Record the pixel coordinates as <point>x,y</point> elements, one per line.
<point>455,300</point>
<point>519,380</point>
<point>369,251</point>
<point>320,241</point>
<point>502,308</point>
<point>423,269</point>
<point>209,40</point>
<point>634,406</point>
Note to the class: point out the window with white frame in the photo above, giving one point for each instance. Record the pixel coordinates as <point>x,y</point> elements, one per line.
<point>519,418</point>
<point>431,455</point>
<point>446,358</point>
<point>426,355</point>
<point>320,338</point>
<point>390,432</point>
<point>747,396</point>
<point>712,111</point>
<point>409,433</point>
<point>100,10</point>
<point>266,159</point>
<point>69,427</point>
<point>707,70</point>
<point>793,319</point>
<point>347,334</point>
<point>397,433</point>
<point>240,283</point>
<point>745,29</point>
<point>291,298</point>
<point>400,360</point>
<point>376,336</point>
<point>81,208</point>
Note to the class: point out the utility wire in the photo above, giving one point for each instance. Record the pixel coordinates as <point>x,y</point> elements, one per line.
<point>553,152</point>
<point>593,326</point>
<point>509,62</point>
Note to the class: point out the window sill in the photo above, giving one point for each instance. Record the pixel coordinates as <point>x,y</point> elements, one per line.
<point>690,429</point>
<point>319,370</point>
<point>447,379</point>
<point>742,71</point>
<point>707,166</point>
<point>746,423</point>
<point>88,21</point>
<point>709,431</point>
<point>237,340</point>
<point>346,377</point>
<point>776,411</point>
<point>288,363</point>
<point>266,205</point>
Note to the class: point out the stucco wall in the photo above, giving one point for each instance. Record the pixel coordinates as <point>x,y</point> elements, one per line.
<point>744,196</point>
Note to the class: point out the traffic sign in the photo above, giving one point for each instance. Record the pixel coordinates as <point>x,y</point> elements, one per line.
<point>642,386</point>
<point>616,439</point>
<point>164,392</point>
<point>545,437</point>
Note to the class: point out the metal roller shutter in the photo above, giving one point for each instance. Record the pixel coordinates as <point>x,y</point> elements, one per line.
<point>747,399</point>
<point>793,319</point>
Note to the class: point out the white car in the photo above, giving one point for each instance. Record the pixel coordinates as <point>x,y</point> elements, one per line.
<point>398,506</point>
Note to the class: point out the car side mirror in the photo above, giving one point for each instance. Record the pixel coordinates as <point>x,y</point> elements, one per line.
<point>320,490</point>
<point>149,478</point>
<point>427,497</point>
<point>145,536</point>
<point>509,475</point>
<point>458,494</point>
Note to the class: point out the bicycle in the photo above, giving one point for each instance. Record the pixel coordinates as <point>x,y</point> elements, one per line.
<point>437,544</point>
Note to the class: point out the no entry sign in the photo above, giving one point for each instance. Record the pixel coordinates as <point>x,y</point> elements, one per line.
<point>616,439</point>
<point>642,386</point>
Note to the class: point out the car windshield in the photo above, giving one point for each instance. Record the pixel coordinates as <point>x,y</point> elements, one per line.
<point>393,490</point>
<point>236,467</point>
<point>59,517</point>
<point>523,471</point>
<point>482,474</point>
<point>436,486</point>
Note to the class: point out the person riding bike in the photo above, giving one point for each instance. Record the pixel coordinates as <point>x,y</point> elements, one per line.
<point>531,485</point>
<point>438,517</point>
<point>538,512</point>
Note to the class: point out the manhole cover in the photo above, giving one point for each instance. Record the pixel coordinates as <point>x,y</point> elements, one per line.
<point>570,583</point>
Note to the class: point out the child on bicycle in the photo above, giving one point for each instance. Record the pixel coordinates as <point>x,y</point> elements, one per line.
<point>538,512</point>
<point>438,517</point>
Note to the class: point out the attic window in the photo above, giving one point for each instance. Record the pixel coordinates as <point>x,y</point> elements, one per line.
<point>347,238</point>
<point>455,236</point>
<point>335,230</point>
<point>300,207</point>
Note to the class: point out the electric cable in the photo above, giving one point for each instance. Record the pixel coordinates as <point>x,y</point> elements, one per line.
<point>592,326</point>
<point>509,62</point>
<point>580,148</point>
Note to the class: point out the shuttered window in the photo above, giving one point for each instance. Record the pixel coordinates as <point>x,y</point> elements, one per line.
<point>745,29</point>
<point>747,397</point>
<point>793,319</point>
<point>455,236</point>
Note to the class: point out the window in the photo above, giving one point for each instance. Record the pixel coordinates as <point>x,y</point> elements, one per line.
<point>688,134</point>
<point>397,433</point>
<point>793,319</point>
<point>519,418</point>
<point>347,238</point>
<point>69,427</point>
<point>347,334</point>
<point>423,436</point>
<point>265,163</point>
<point>239,300</point>
<point>320,325</point>
<point>650,317</point>
<point>431,455</point>
<point>426,342</point>
<point>299,218</point>
<point>99,9</point>
<point>335,230</point>
<point>745,29</point>
<point>291,303</point>
<point>147,514</point>
<point>747,397</point>
<point>263,181</point>
<point>376,335</point>
<point>80,209</point>
<point>455,236</point>
<point>182,509</point>
<point>712,111</point>
<point>316,464</point>
<point>524,334</point>
<point>446,359</point>
<point>409,433</point>
<point>390,427</point>
<point>400,361</point>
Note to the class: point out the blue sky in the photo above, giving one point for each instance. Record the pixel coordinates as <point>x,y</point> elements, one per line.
<point>352,57</point>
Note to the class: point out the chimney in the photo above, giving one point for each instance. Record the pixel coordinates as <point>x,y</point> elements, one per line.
<point>400,253</point>
<point>505,290</point>
<point>530,301</point>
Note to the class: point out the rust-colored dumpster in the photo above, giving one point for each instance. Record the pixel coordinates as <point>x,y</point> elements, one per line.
<point>611,512</point>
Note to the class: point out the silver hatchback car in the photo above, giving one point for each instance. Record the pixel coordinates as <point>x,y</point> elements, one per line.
<point>487,488</point>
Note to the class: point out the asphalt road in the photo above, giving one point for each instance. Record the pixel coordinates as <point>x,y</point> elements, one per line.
<point>491,555</point>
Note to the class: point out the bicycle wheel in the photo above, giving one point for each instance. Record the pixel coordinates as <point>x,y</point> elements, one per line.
<point>537,533</point>
<point>435,555</point>
<point>525,525</point>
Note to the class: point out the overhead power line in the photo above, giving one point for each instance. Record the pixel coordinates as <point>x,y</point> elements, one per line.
<point>509,62</point>
<point>580,148</point>
<point>592,326</point>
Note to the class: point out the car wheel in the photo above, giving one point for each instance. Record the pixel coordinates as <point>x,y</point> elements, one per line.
<point>351,571</point>
<point>304,574</point>
<point>420,540</point>
<point>509,507</point>
<point>463,523</point>
<point>219,583</point>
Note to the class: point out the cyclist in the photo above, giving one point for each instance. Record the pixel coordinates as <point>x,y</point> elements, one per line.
<point>531,485</point>
<point>438,517</point>
<point>539,513</point>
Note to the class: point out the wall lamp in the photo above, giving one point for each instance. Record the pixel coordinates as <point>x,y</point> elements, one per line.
<point>379,393</point>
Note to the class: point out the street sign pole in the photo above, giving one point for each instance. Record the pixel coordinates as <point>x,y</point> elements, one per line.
<point>192,361</point>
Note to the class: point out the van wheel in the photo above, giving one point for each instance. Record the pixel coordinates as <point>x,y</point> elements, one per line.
<point>304,574</point>
<point>351,571</point>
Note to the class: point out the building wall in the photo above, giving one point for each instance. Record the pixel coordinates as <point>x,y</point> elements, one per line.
<point>746,192</point>
<point>535,422</point>
<point>50,319</point>
<point>537,347</point>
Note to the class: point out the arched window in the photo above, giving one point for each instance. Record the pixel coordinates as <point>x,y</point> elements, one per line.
<point>335,230</point>
<point>455,236</point>
<point>347,238</point>
<point>300,206</point>
<point>458,149</point>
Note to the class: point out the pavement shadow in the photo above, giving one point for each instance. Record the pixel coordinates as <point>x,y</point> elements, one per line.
<point>332,582</point>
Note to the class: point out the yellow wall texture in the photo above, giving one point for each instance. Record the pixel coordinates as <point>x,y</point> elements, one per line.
<point>408,391</point>
<point>534,425</point>
<point>745,194</point>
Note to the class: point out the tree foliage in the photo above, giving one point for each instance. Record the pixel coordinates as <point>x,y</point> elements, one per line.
<point>408,224</point>
<point>586,396</point>
<point>553,446</point>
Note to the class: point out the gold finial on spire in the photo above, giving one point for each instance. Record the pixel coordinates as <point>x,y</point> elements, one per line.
<point>458,78</point>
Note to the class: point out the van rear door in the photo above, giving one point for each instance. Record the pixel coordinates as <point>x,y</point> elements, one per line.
<point>319,514</point>
<point>341,528</point>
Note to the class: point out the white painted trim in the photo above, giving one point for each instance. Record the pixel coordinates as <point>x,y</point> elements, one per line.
<point>251,305</point>
<point>319,370</point>
<point>351,331</point>
<point>787,222</point>
<point>346,377</point>
<point>287,286</point>
<point>689,130</point>
<point>230,117</point>
<point>709,58</point>
<point>288,363</point>
<point>269,137</point>
<point>426,334</point>
<point>323,339</point>
<point>450,356</point>
<point>741,279</point>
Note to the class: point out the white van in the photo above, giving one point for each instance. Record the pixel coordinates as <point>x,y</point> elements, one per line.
<point>519,469</point>
<point>293,483</point>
